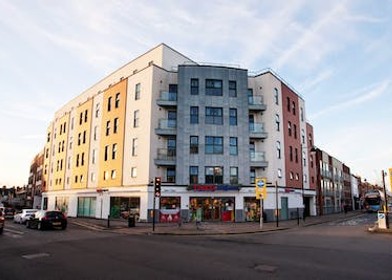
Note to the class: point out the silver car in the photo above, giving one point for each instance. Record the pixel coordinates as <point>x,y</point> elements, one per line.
<point>21,218</point>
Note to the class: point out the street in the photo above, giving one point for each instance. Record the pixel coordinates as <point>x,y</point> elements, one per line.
<point>344,250</point>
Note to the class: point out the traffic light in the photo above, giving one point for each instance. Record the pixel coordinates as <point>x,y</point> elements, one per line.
<point>157,186</point>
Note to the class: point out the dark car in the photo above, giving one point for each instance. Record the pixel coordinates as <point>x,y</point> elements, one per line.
<point>2,220</point>
<point>44,219</point>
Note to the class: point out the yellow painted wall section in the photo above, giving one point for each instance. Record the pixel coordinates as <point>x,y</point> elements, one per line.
<point>60,142</point>
<point>81,145</point>
<point>112,136</point>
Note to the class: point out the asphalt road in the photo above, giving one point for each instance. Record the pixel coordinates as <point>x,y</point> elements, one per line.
<point>329,251</point>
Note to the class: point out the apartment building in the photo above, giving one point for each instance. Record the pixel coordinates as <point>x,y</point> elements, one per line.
<point>209,131</point>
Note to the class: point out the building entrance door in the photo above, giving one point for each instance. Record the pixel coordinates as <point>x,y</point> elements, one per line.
<point>284,213</point>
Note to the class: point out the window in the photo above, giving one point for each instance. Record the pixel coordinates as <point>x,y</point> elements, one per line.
<point>214,175</point>
<point>214,87</point>
<point>95,132</point>
<point>194,115</point>
<point>97,110</point>
<point>233,146</point>
<point>134,172</point>
<point>214,115</point>
<point>106,175</point>
<point>81,118</point>
<point>194,145</point>
<point>94,156</point>
<point>303,136</point>
<point>276,95</point>
<point>84,137</point>
<point>291,175</point>
<point>81,160</point>
<point>302,113</point>
<point>233,175</point>
<point>117,101</point>
<point>214,145</point>
<point>109,103</point>
<point>291,153</point>
<point>288,104</point>
<point>295,130</point>
<point>113,174</point>
<point>252,176</point>
<point>93,177</point>
<point>289,127</point>
<point>296,155</point>
<point>114,151</point>
<point>77,161</point>
<point>232,88</point>
<point>134,147</point>
<point>233,116</point>
<point>106,152</point>
<point>137,91</point>
<point>171,175</point>
<point>279,173</point>
<point>85,116</point>
<point>278,150</point>
<point>107,128</point>
<point>79,139</point>
<point>304,158</point>
<point>296,176</point>
<point>115,126</point>
<point>277,122</point>
<point>293,107</point>
<point>173,88</point>
<point>171,146</point>
<point>136,118</point>
<point>193,174</point>
<point>194,86</point>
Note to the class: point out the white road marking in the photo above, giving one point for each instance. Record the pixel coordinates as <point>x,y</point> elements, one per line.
<point>35,256</point>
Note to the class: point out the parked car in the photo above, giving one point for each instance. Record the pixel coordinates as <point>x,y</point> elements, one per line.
<point>9,212</point>
<point>24,215</point>
<point>44,219</point>
<point>2,221</point>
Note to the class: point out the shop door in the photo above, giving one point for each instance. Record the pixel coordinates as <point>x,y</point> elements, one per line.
<point>284,213</point>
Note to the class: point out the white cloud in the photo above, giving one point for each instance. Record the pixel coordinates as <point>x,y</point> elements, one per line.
<point>364,95</point>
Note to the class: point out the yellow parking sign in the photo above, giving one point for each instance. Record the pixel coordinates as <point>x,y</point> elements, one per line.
<point>261,188</point>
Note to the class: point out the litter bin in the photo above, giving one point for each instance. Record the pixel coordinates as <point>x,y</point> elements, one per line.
<point>131,221</point>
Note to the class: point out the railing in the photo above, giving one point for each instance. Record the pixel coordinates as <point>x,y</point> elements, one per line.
<point>257,156</point>
<point>255,100</point>
<point>167,96</point>
<point>257,130</point>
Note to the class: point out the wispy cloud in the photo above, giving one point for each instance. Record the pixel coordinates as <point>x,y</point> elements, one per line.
<point>313,81</point>
<point>364,95</point>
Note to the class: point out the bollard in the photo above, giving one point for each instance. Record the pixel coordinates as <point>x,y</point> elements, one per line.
<point>108,221</point>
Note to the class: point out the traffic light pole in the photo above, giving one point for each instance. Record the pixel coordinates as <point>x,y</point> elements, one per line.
<point>153,213</point>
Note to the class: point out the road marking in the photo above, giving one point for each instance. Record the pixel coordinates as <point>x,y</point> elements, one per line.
<point>35,256</point>
<point>14,231</point>
<point>266,268</point>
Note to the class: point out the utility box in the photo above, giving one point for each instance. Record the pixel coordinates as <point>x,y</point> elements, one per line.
<point>382,220</point>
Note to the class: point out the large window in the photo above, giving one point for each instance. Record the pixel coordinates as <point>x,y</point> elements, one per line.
<point>194,115</point>
<point>214,87</point>
<point>193,174</point>
<point>214,145</point>
<point>232,88</point>
<point>194,145</point>
<point>214,175</point>
<point>86,206</point>
<point>233,116</point>
<point>171,175</point>
<point>233,175</point>
<point>214,115</point>
<point>194,86</point>
<point>233,146</point>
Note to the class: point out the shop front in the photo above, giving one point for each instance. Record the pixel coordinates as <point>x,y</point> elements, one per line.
<point>212,209</point>
<point>169,211</point>
<point>122,207</point>
<point>252,209</point>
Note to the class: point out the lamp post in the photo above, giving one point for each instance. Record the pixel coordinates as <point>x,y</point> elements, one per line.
<point>385,199</point>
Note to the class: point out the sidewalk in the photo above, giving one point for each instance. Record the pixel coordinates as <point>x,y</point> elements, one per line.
<point>206,228</point>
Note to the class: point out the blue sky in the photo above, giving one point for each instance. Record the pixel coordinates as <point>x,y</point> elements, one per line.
<point>336,54</point>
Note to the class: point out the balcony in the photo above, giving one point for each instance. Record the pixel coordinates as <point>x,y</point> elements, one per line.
<point>167,99</point>
<point>165,157</point>
<point>256,130</point>
<point>166,127</point>
<point>257,159</point>
<point>256,103</point>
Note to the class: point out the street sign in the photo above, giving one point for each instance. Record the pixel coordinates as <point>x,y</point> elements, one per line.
<point>261,188</point>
